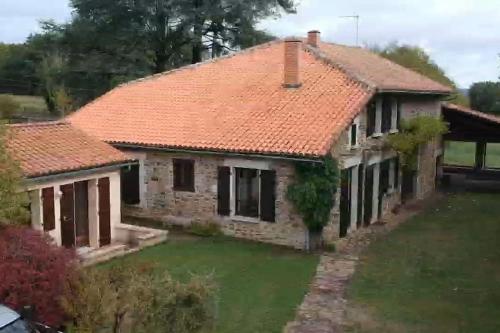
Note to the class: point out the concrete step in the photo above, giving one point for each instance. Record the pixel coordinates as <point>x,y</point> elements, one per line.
<point>103,254</point>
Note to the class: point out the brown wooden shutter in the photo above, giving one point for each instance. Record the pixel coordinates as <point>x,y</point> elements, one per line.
<point>267,195</point>
<point>223,189</point>
<point>49,219</point>
<point>104,212</point>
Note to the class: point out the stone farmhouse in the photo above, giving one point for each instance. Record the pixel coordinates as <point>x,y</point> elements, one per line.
<point>217,141</point>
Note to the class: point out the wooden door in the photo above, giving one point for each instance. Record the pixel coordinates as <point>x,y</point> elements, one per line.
<point>82,213</point>
<point>345,201</point>
<point>368,199</point>
<point>49,218</point>
<point>104,212</point>
<point>67,216</point>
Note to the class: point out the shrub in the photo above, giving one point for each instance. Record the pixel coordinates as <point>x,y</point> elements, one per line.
<point>126,298</point>
<point>210,229</point>
<point>415,132</point>
<point>314,191</point>
<point>32,272</point>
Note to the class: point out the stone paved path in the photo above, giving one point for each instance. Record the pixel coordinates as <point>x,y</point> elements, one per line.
<point>324,306</point>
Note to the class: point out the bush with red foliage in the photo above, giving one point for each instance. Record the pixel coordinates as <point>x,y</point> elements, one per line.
<point>33,272</point>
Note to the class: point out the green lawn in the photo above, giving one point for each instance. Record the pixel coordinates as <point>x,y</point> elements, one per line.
<point>31,104</point>
<point>260,285</point>
<point>439,272</point>
<point>463,153</point>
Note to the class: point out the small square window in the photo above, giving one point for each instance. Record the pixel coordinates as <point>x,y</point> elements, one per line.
<point>183,175</point>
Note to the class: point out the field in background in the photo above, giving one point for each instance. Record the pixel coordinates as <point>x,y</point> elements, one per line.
<point>31,104</point>
<point>463,153</point>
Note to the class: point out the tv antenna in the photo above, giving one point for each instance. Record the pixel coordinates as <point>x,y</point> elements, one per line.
<point>355,17</point>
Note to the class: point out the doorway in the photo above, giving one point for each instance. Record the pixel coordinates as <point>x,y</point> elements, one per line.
<point>74,214</point>
<point>345,201</point>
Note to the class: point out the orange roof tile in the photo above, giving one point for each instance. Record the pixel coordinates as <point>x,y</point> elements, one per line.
<point>57,147</point>
<point>379,72</point>
<point>236,104</point>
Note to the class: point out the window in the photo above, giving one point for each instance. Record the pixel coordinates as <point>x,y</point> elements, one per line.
<point>386,114</point>
<point>396,172</point>
<point>371,113</point>
<point>183,175</point>
<point>354,135</point>
<point>253,194</point>
<point>247,192</point>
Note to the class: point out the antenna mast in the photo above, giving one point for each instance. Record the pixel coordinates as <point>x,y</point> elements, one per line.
<point>355,17</point>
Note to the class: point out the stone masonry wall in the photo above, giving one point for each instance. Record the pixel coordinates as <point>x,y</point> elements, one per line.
<point>178,207</point>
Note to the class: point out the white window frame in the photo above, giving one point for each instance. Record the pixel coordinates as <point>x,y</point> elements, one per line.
<point>246,164</point>
<point>394,116</point>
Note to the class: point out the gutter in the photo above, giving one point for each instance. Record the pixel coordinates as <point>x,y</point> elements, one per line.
<point>414,92</point>
<point>76,173</point>
<point>216,153</point>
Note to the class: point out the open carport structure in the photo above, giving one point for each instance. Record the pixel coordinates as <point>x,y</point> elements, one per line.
<point>467,125</point>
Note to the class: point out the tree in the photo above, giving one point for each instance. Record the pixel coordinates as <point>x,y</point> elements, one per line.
<point>415,58</point>
<point>128,298</point>
<point>485,97</point>
<point>12,200</point>
<point>32,272</point>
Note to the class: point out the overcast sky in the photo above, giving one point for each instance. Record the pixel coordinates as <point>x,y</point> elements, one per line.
<point>462,36</point>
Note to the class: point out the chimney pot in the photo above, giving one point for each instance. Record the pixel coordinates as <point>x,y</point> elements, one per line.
<point>313,38</point>
<point>292,63</point>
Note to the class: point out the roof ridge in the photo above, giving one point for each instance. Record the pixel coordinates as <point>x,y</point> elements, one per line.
<point>175,70</point>
<point>364,49</point>
<point>320,55</point>
<point>201,63</point>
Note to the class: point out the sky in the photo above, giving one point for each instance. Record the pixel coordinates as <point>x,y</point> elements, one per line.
<point>462,36</point>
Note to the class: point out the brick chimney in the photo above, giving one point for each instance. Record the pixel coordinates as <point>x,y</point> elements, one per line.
<point>313,38</point>
<point>292,63</point>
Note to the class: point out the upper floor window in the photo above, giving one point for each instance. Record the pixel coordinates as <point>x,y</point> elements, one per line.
<point>183,175</point>
<point>371,115</point>
<point>386,114</point>
<point>353,133</point>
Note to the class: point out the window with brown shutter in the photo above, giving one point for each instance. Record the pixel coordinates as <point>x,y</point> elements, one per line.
<point>268,195</point>
<point>183,175</point>
<point>223,191</point>
<point>49,220</point>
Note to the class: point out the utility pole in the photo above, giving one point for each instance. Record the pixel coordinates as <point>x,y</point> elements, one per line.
<point>355,17</point>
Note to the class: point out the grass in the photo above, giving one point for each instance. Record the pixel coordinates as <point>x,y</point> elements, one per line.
<point>439,272</point>
<point>31,104</point>
<point>260,285</point>
<point>463,153</point>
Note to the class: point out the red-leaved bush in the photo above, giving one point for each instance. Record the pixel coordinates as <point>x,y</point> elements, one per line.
<point>33,272</point>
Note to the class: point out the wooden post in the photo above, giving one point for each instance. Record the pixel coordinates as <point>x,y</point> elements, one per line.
<point>480,155</point>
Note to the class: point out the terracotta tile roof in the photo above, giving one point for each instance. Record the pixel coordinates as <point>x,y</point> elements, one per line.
<point>238,103</point>
<point>379,72</point>
<point>474,113</point>
<point>57,147</point>
<point>232,104</point>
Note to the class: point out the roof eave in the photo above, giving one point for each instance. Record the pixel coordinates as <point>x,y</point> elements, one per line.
<point>84,171</point>
<point>414,92</point>
<point>276,156</point>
